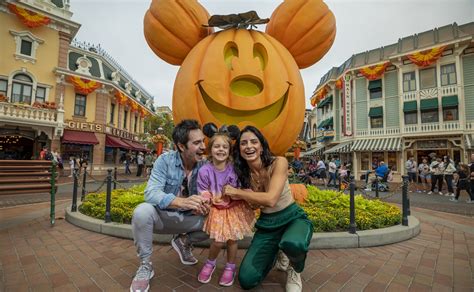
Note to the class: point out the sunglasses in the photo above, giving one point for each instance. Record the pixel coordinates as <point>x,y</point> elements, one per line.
<point>185,188</point>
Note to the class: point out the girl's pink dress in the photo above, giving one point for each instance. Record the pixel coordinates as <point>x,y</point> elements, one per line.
<point>228,219</point>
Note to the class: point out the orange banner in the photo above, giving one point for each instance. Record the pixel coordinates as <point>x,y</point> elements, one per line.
<point>339,83</point>
<point>28,17</point>
<point>426,58</point>
<point>120,97</point>
<point>133,106</point>
<point>83,86</point>
<point>374,72</point>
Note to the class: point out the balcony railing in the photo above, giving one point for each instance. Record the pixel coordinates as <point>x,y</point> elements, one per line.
<point>28,114</point>
<point>431,92</point>
<point>378,132</point>
<point>418,129</point>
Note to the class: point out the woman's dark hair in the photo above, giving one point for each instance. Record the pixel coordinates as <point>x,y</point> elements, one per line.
<point>181,131</point>
<point>241,166</point>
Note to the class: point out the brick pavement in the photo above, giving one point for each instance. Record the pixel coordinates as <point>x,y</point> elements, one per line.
<point>37,257</point>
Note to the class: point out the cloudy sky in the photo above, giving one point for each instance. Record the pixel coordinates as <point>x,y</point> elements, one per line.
<point>117,25</point>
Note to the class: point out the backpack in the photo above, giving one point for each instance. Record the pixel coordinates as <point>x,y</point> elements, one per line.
<point>48,156</point>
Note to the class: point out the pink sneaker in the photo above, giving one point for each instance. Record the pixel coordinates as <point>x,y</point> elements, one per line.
<point>206,272</point>
<point>227,278</point>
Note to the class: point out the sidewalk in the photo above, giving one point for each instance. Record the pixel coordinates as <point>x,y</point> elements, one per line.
<point>37,257</point>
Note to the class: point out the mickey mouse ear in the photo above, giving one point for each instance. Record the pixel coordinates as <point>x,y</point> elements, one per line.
<point>223,129</point>
<point>233,131</point>
<point>209,129</point>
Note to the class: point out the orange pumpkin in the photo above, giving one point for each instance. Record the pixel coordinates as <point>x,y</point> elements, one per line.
<point>306,27</point>
<point>242,77</point>
<point>173,27</point>
<point>299,192</point>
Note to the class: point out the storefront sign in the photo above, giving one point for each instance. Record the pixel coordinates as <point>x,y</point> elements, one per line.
<point>120,133</point>
<point>329,134</point>
<point>84,126</point>
<point>432,144</point>
<point>347,106</point>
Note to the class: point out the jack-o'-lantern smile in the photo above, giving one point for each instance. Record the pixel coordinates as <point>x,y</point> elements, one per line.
<point>259,117</point>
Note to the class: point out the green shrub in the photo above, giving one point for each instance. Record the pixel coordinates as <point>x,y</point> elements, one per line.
<point>327,209</point>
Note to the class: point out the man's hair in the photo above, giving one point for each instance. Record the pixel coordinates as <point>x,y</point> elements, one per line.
<point>181,132</point>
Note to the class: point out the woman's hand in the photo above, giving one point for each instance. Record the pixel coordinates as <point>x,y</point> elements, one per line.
<point>231,192</point>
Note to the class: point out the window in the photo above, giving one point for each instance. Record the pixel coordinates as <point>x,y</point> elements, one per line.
<point>40,94</point>
<point>26,47</point>
<point>450,114</point>
<point>364,160</point>
<point>409,82</point>
<point>135,124</point>
<point>3,87</point>
<point>376,122</point>
<point>377,157</point>
<point>428,78</point>
<point>80,105</point>
<point>448,74</point>
<point>375,89</point>
<point>22,88</point>
<point>112,113</point>
<point>430,116</point>
<point>411,118</point>
<point>125,116</point>
<point>392,160</point>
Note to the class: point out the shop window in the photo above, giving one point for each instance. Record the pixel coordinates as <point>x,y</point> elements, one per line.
<point>429,116</point>
<point>377,157</point>
<point>110,154</point>
<point>364,160</point>
<point>409,81</point>
<point>448,74</point>
<point>376,122</point>
<point>80,105</point>
<point>411,118</point>
<point>112,113</point>
<point>392,160</point>
<point>428,78</point>
<point>450,114</point>
<point>3,87</point>
<point>22,88</point>
<point>135,124</point>
<point>125,117</point>
<point>40,94</point>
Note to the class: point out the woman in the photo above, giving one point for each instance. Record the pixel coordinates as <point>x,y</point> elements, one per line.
<point>282,225</point>
<point>449,170</point>
<point>425,174</point>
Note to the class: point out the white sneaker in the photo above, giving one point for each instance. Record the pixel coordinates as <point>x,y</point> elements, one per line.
<point>469,201</point>
<point>453,200</point>
<point>440,193</point>
<point>282,261</point>
<point>367,189</point>
<point>293,281</point>
<point>447,195</point>
<point>141,281</point>
<point>430,192</point>
<point>453,195</point>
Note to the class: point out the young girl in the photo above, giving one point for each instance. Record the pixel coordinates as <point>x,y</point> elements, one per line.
<point>228,220</point>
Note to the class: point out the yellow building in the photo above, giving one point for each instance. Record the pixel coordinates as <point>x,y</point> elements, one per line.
<point>61,94</point>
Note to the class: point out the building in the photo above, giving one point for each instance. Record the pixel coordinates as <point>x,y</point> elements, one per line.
<point>62,94</point>
<point>413,97</point>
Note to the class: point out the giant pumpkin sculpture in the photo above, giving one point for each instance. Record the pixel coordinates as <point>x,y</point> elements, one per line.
<point>242,76</point>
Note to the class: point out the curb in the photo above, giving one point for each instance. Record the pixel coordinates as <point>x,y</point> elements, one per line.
<point>320,240</point>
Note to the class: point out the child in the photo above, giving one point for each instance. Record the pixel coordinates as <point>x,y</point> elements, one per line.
<point>228,220</point>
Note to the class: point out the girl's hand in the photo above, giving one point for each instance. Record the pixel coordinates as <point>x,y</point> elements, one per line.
<point>231,192</point>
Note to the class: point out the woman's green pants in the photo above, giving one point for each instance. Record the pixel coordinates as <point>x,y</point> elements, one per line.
<point>288,230</point>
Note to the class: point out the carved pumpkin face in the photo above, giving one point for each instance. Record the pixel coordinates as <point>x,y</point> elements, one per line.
<point>242,77</point>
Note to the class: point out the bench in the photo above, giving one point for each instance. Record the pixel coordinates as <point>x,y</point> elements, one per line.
<point>25,176</point>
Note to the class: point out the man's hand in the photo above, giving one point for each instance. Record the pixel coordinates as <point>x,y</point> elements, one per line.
<point>199,205</point>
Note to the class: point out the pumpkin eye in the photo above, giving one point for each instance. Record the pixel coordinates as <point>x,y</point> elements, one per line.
<point>260,53</point>
<point>230,51</point>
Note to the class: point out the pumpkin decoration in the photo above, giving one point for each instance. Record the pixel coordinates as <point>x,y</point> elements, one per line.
<point>306,27</point>
<point>173,27</point>
<point>240,76</point>
<point>299,192</point>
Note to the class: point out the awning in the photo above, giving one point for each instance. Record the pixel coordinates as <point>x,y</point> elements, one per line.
<point>382,144</point>
<point>376,112</point>
<point>410,106</point>
<point>135,146</point>
<point>330,121</point>
<point>115,142</point>
<point>375,84</point>
<point>322,124</point>
<point>344,147</point>
<point>313,151</point>
<point>78,137</point>
<point>325,101</point>
<point>450,101</point>
<point>469,141</point>
<point>429,104</point>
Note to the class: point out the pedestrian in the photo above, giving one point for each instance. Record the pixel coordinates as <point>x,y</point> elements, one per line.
<point>126,162</point>
<point>140,164</point>
<point>72,162</point>
<point>332,172</point>
<point>448,173</point>
<point>321,170</point>
<point>425,174</point>
<point>411,168</point>
<point>148,164</point>
<point>436,169</point>
<point>171,203</point>
<point>463,184</point>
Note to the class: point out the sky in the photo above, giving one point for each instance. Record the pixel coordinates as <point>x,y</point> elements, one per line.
<point>362,25</point>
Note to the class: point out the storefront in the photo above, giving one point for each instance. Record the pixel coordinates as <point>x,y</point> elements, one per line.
<point>421,149</point>
<point>20,142</point>
<point>78,144</point>
<point>342,151</point>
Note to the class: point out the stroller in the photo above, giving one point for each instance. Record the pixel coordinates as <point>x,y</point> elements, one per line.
<point>382,183</point>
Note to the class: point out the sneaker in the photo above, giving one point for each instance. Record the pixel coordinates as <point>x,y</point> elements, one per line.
<point>430,192</point>
<point>469,201</point>
<point>227,277</point>
<point>141,281</point>
<point>184,249</point>
<point>447,195</point>
<point>205,274</point>
<point>453,195</point>
<point>368,189</point>
<point>293,281</point>
<point>282,261</point>
<point>440,193</point>
<point>453,200</point>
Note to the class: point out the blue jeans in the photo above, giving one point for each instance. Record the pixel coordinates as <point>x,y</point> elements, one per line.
<point>332,178</point>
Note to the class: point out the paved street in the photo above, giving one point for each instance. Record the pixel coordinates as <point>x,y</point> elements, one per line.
<point>37,257</point>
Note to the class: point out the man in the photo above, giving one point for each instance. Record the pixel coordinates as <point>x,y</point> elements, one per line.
<point>332,172</point>
<point>148,164</point>
<point>171,206</point>
<point>380,172</point>
<point>436,169</point>
<point>140,164</point>
<point>411,168</point>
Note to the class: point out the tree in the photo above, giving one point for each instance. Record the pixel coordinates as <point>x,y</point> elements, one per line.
<point>157,124</point>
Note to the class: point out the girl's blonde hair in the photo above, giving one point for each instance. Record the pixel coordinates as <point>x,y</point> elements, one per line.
<point>211,143</point>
